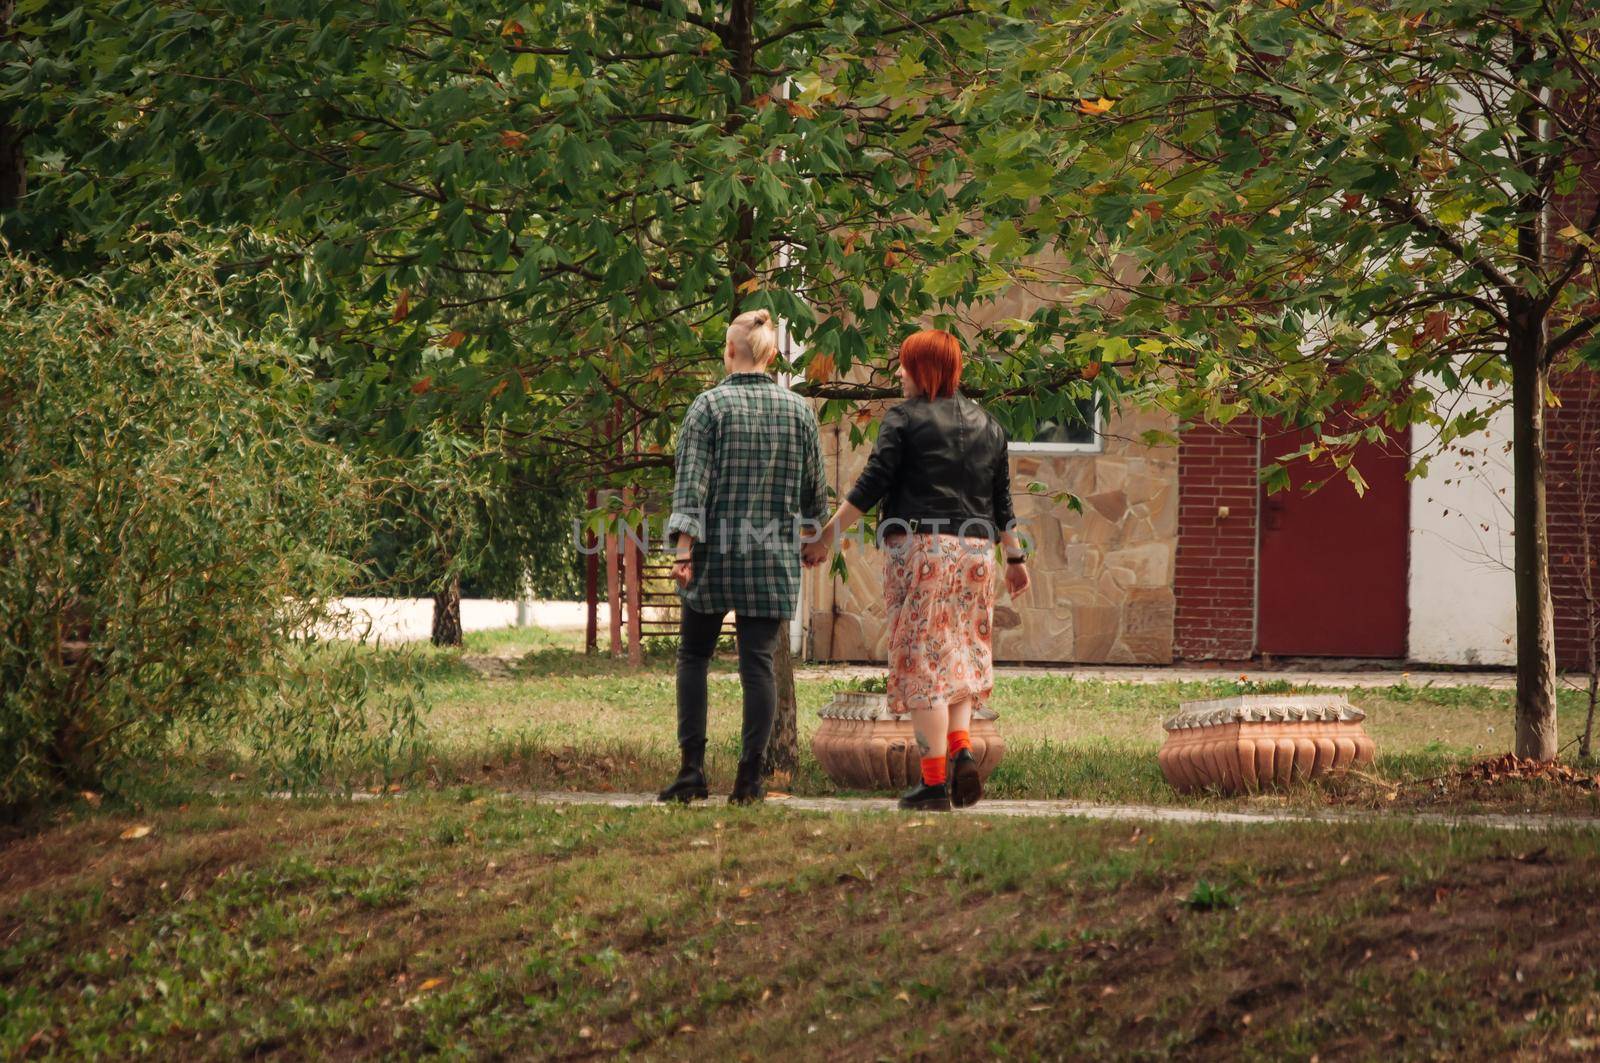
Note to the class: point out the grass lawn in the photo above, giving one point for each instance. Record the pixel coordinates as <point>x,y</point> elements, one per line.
<point>474,923</point>
<point>527,708</point>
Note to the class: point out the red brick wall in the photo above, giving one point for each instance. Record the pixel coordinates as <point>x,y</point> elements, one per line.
<point>1572,480</point>
<point>1215,579</point>
<point>1572,442</point>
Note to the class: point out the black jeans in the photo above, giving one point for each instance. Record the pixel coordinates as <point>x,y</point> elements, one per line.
<point>697,641</point>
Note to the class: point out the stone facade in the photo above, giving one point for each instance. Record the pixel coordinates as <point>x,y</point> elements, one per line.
<point>1102,579</point>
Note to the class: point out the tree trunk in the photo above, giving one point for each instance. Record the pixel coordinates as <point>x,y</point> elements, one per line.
<point>783,748</point>
<point>447,615</point>
<point>1536,649</point>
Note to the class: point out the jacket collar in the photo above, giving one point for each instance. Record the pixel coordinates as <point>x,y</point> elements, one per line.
<point>754,376</point>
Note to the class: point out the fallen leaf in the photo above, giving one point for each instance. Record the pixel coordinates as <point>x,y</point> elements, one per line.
<point>135,833</point>
<point>91,797</point>
<point>430,983</point>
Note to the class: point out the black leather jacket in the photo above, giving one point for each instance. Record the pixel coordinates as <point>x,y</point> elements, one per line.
<point>938,464</point>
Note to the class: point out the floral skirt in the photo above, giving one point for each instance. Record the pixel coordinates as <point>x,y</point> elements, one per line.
<point>939,590</point>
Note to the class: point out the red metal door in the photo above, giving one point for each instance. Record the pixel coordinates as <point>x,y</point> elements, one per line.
<point>1333,563</point>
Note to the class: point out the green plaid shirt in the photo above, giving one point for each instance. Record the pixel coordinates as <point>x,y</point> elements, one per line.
<point>749,467</point>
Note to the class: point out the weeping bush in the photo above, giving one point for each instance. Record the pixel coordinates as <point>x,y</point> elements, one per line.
<point>171,536</point>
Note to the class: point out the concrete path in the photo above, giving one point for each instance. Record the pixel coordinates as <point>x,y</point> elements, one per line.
<point>1343,680</point>
<point>1082,810</point>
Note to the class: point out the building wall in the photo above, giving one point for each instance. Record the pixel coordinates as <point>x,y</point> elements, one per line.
<point>1572,445</point>
<point>1102,578</point>
<point>1215,581</point>
<point>1461,588</point>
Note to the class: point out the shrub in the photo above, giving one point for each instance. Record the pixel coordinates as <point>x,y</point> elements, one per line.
<point>170,535</point>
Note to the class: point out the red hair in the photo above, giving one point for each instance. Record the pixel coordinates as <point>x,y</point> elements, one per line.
<point>933,360</point>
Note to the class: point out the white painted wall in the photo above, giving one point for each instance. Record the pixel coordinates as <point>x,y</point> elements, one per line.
<point>387,620</point>
<point>1463,602</point>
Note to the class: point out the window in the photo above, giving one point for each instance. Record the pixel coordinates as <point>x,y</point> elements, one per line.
<point>1079,435</point>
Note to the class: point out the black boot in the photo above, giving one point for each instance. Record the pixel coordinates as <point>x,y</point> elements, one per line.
<point>926,798</point>
<point>747,785</point>
<point>690,785</point>
<point>966,787</point>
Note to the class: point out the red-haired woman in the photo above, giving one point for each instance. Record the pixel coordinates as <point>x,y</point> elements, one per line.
<point>940,470</point>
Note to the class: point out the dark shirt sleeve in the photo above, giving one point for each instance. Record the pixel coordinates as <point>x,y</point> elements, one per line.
<point>884,464</point>
<point>1004,515</point>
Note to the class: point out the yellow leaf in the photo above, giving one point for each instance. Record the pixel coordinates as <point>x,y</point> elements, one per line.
<point>135,833</point>
<point>1100,106</point>
<point>820,369</point>
<point>431,983</point>
<point>751,285</point>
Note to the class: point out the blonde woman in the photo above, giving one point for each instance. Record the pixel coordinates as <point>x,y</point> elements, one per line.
<point>749,469</point>
<point>940,469</point>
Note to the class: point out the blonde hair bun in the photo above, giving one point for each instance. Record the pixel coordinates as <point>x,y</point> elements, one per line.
<point>752,336</point>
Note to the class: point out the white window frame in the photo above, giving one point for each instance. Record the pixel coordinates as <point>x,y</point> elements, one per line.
<point>1095,446</point>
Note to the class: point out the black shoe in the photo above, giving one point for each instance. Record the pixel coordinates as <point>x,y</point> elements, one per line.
<point>925,798</point>
<point>690,785</point>
<point>747,786</point>
<point>966,787</point>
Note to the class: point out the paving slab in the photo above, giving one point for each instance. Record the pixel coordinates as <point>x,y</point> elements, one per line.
<point>1086,810</point>
<point>1144,674</point>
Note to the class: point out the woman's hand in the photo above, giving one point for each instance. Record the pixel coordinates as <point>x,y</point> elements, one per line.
<point>815,552</point>
<point>1017,578</point>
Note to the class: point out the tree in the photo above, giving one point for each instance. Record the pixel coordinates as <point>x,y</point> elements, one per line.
<point>1344,217</point>
<point>539,218</point>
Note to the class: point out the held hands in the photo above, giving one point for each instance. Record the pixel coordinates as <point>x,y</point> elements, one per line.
<point>1017,579</point>
<point>815,551</point>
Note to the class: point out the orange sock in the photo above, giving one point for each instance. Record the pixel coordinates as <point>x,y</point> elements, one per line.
<point>933,771</point>
<point>959,740</point>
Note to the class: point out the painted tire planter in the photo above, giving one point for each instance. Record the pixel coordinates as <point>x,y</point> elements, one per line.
<point>1244,744</point>
<point>863,746</point>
